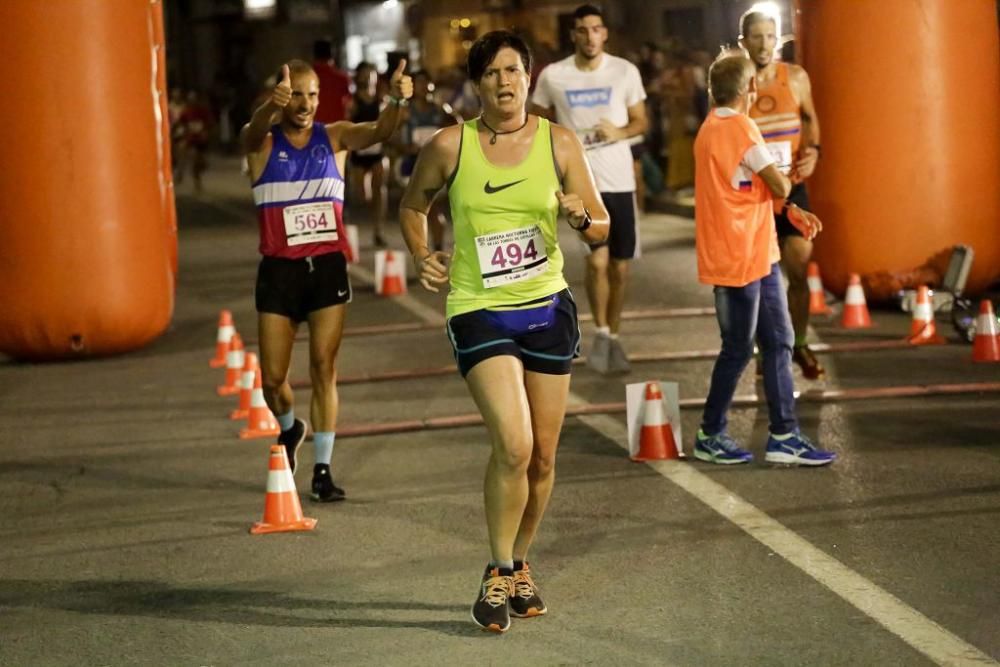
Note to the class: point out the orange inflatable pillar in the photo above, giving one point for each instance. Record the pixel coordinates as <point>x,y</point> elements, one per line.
<point>86,267</point>
<point>906,95</point>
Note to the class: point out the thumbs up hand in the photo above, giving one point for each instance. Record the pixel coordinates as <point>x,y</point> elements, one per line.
<point>282,94</point>
<point>400,84</point>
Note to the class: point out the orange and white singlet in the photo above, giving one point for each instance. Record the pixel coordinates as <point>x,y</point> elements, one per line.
<point>779,117</point>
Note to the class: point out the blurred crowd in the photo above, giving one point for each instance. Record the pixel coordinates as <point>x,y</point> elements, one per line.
<point>674,76</point>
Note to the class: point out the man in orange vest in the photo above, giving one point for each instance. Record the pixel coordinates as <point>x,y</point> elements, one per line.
<point>785,114</point>
<point>736,180</point>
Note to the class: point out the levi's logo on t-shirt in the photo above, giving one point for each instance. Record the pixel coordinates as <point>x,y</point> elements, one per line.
<point>589,97</point>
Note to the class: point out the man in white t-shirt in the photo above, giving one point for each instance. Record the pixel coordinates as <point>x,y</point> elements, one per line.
<point>601,97</point>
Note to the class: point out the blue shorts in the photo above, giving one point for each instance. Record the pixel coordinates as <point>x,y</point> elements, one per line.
<point>545,337</point>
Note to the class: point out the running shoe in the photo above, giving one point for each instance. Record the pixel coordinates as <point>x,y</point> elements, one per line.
<point>807,361</point>
<point>525,602</point>
<point>617,359</point>
<point>600,353</point>
<point>491,610</point>
<point>323,488</point>
<point>291,439</point>
<point>720,449</point>
<point>797,450</point>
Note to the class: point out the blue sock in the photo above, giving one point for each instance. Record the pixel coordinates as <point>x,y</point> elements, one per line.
<point>324,446</point>
<point>287,420</point>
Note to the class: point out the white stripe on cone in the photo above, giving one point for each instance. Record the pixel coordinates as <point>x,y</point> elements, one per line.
<point>986,325</point>
<point>257,401</point>
<point>235,360</point>
<point>225,333</point>
<point>280,481</point>
<point>815,284</point>
<point>923,312</point>
<point>855,296</point>
<point>653,414</point>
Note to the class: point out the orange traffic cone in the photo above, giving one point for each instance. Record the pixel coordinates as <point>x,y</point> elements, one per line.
<point>923,330</point>
<point>234,368</point>
<point>656,439</point>
<point>986,346</point>
<point>392,281</point>
<point>817,296</point>
<point>260,422</point>
<point>855,307</point>
<point>282,511</point>
<point>222,338</point>
<point>246,387</point>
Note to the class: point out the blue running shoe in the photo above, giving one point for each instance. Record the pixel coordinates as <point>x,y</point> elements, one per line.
<point>719,449</point>
<point>797,451</point>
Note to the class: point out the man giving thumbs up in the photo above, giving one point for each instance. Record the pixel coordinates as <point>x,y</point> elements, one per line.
<point>296,168</point>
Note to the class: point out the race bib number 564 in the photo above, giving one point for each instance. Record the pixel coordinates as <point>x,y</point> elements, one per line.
<point>310,223</point>
<point>510,257</point>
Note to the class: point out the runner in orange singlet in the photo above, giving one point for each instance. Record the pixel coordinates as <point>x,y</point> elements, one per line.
<point>785,114</point>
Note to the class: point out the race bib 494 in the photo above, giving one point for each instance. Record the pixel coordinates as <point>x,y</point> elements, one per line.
<point>512,256</point>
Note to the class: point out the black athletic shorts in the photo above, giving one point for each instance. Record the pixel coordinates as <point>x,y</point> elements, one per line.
<point>546,343</point>
<point>296,287</point>
<point>623,235</point>
<point>800,198</point>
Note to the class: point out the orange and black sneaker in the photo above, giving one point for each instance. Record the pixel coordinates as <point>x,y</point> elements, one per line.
<point>491,610</point>
<point>525,602</point>
<point>811,368</point>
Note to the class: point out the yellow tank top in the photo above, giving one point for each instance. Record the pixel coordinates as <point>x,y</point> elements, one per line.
<point>505,225</point>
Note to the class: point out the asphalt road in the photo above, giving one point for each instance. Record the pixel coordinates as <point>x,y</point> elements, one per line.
<point>126,502</point>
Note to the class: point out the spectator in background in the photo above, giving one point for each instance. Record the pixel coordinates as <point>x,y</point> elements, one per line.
<point>424,117</point>
<point>334,84</point>
<point>175,106</point>
<point>368,165</point>
<point>601,98</point>
<point>677,87</point>
<point>194,125</point>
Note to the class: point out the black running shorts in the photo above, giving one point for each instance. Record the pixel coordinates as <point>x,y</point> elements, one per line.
<point>296,287</point>
<point>477,336</point>
<point>800,198</point>
<point>623,235</point>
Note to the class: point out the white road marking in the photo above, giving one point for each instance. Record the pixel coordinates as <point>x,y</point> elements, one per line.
<point>920,632</point>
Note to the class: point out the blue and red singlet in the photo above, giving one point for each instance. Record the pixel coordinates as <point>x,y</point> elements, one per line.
<point>300,198</point>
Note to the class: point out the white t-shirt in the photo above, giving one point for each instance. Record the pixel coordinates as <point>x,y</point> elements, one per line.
<point>581,99</point>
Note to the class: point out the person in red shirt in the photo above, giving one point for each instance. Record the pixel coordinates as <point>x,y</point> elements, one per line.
<point>736,179</point>
<point>334,84</point>
<point>194,125</point>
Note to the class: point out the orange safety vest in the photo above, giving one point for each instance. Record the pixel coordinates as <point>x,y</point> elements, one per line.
<point>778,115</point>
<point>735,237</point>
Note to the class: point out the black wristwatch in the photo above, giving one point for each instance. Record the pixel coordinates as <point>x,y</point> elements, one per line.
<point>587,220</point>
